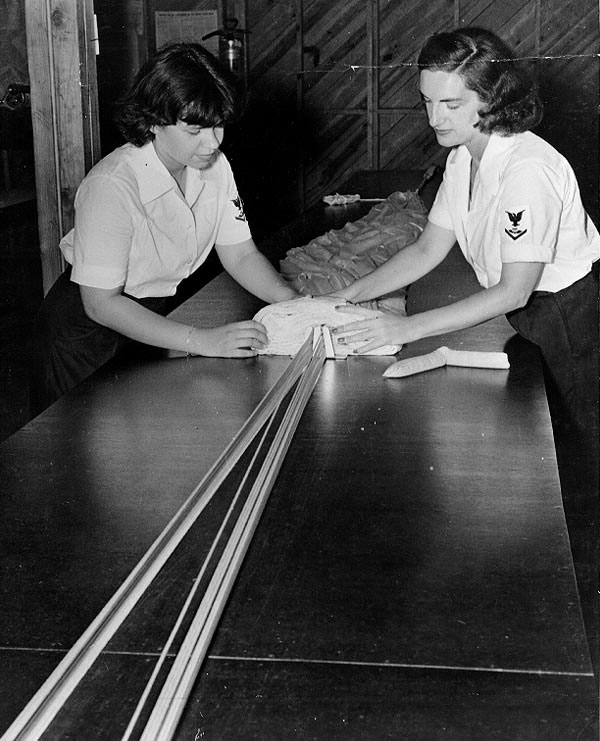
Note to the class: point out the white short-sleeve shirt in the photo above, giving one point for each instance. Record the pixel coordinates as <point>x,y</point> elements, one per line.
<point>133,228</point>
<point>525,207</point>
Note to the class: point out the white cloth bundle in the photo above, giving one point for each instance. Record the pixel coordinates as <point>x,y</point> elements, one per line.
<point>444,356</point>
<point>340,200</point>
<point>289,323</point>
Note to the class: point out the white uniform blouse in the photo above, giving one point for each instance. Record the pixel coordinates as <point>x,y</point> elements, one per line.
<point>525,207</point>
<point>133,228</point>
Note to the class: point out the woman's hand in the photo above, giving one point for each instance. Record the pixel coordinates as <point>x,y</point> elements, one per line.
<point>386,329</point>
<point>238,340</point>
<point>516,283</point>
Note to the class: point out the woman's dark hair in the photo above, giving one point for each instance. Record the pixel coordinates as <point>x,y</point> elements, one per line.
<point>490,68</point>
<point>180,82</point>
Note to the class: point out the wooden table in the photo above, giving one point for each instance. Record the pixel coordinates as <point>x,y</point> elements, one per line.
<point>410,578</point>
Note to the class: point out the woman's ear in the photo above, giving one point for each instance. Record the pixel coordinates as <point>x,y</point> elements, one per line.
<point>153,131</point>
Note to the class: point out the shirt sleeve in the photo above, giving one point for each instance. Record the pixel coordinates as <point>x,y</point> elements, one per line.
<point>233,227</point>
<point>103,233</point>
<point>439,213</point>
<point>529,213</point>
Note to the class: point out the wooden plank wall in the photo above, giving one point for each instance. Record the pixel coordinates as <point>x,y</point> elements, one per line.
<point>569,80</point>
<point>13,49</point>
<point>264,146</point>
<point>334,88</point>
<point>62,70</point>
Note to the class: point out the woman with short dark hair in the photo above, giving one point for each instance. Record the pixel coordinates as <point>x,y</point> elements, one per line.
<point>512,203</point>
<point>146,217</point>
<point>181,82</point>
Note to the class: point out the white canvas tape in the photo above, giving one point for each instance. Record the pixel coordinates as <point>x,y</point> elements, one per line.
<point>444,356</point>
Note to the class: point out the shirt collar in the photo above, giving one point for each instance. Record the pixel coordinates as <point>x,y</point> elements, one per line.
<point>497,146</point>
<point>493,158</point>
<point>493,162</point>
<point>491,165</point>
<point>153,178</point>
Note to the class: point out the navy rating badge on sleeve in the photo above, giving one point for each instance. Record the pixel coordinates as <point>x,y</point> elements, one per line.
<point>516,223</point>
<point>239,204</point>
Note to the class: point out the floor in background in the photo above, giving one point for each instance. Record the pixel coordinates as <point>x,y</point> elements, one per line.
<point>20,296</point>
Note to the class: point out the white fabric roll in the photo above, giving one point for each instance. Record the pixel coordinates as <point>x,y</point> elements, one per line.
<point>289,323</point>
<point>444,356</point>
<point>473,359</point>
<point>410,366</point>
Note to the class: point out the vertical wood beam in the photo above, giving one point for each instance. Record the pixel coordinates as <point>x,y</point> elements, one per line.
<point>64,111</point>
<point>301,165</point>
<point>373,55</point>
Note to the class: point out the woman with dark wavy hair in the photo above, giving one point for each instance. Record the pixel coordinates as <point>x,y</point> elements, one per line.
<point>512,203</point>
<point>487,66</point>
<point>147,217</point>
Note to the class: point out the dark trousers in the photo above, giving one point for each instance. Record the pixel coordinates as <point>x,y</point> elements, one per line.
<point>68,346</point>
<point>564,325</point>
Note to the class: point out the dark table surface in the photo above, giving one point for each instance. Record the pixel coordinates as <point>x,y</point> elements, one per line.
<point>410,578</point>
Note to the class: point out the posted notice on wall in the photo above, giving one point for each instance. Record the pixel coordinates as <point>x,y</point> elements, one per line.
<point>189,25</point>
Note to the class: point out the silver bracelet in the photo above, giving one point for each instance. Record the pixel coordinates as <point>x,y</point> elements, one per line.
<point>187,341</point>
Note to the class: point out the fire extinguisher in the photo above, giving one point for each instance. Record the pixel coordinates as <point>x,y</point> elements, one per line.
<point>232,47</point>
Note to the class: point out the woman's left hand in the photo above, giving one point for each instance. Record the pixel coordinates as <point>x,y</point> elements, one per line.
<point>385,329</point>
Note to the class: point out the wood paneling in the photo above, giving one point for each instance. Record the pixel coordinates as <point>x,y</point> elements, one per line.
<point>336,70</point>
<point>365,73</point>
<point>13,49</point>
<point>402,29</point>
<point>569,81</point>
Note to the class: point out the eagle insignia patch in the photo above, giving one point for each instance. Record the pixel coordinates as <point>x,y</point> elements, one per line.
<point>516,223</point>
<point>239,204</point>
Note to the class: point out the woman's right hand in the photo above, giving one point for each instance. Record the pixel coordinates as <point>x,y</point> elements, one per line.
<point>238,340</point>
